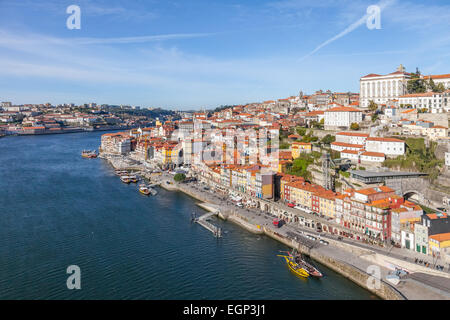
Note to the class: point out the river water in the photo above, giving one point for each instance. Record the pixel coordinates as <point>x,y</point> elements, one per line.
<point>58,209</point>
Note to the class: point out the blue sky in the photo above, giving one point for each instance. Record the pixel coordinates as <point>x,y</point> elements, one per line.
<point>201,54</point>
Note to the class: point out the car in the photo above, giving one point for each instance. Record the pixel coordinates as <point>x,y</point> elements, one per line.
<point>291,205</point>
<point>324,242</point>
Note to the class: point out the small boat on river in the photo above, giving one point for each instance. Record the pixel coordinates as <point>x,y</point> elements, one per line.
<point>295,267</point>
<point>89,154</point>
<point>144,190</point>
<point>121,172</point>
<point>125,179</point>
<point>301,262</point>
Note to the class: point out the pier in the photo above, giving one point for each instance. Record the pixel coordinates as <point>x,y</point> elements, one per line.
<point>202,220</point>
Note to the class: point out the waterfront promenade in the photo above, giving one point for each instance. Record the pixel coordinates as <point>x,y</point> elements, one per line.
<point>358,256</point>
<point>350,258</point>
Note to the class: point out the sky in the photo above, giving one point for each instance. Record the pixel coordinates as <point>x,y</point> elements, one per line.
<point>196,54</point>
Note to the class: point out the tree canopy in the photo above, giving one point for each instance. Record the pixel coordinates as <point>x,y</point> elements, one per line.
<point>179,177</point>
<point>372,105</point>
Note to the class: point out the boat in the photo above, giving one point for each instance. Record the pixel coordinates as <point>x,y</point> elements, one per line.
<point>153,192</point>
<point>298,258</point>
<point>133,179</point>
<point>313,271</point>
<point>144,190</point>
<point>125,179</point>
<point>89,154</point>
<point>121,172</point>
<point>295,267</point>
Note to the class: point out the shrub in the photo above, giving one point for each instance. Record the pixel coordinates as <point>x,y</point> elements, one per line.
<point>179,177</point>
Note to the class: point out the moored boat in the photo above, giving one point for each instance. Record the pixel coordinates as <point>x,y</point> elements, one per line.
<point>89,154</point>
<point>125,179</point>
<point>144,190</point>
<point>312,271</point>
<point>133,179</point>
<point>295,267</point>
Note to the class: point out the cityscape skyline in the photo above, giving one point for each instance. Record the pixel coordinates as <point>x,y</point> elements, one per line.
<point>206,54</point>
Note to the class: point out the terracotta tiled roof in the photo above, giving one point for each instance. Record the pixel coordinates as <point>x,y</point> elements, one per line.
<point>353,134</point>
<point>384,139</point>
<point>440,237</point>
<point>343,109</point>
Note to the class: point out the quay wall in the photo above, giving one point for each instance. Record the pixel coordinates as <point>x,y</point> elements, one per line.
<point>352,273</point>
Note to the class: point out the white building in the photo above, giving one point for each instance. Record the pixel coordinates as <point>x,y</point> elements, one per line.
<point>372,157</point>
<point>363,156</point>
<point>440,78</point>
<point>350,154</point>
<point>352,137</point>
<point>388,146</point>
<point>341,146</point>
<point>342,117</point>
<point>383,88</point>
<point>435,102</point>
<point>390,111</point>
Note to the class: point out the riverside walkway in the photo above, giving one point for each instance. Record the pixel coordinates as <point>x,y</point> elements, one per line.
<point>415,286</point>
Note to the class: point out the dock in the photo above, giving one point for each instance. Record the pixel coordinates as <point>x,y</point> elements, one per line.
<point>202,220</point>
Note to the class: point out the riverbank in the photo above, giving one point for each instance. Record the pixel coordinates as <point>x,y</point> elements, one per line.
<point>384,291</point>
<point>348,260</point>
<point>66,131</point>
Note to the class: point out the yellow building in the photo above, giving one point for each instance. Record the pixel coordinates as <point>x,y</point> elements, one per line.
<point>439,243</point>
<point>170,153</point>
<point>327,203</point>
<point>299,147</point>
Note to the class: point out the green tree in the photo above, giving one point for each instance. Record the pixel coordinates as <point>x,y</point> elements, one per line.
<point>439,87</point>
<point>354,126</point>
<point>300,165</point>
<point>328,139</point>
<point>374,117</point>
<point>179,177</point>
<point>416,84</point>
<point>301,131</point>
<point>372,106</point>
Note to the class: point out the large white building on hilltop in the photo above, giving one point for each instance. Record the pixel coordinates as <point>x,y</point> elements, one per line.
<point>383,88</point>
<point>341,117</point>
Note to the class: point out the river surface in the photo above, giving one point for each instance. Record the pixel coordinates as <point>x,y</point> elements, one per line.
<point>58,209</point>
